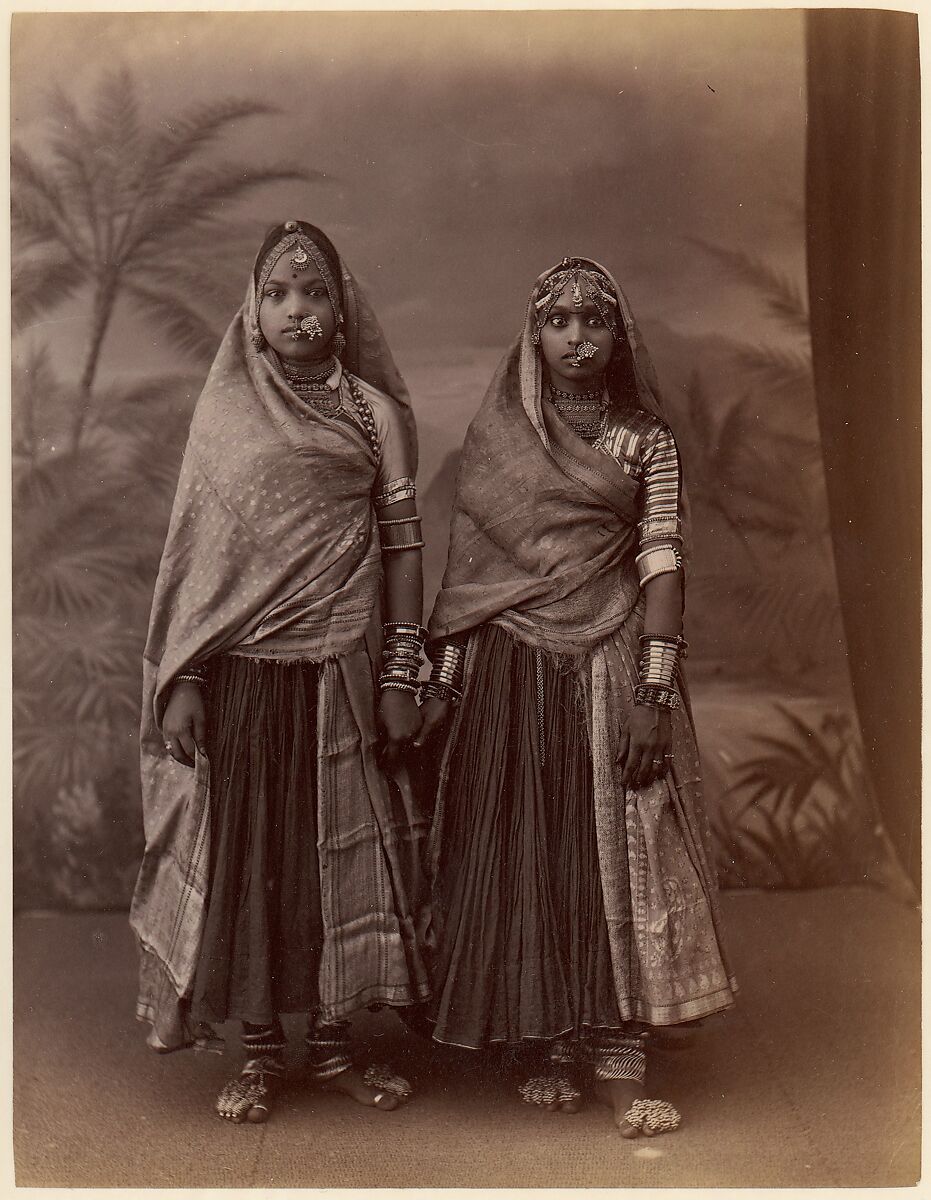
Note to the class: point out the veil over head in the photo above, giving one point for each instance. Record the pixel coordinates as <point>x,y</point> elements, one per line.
<point>628,339</point>
<point>541,519</point>
<point>252,527</point>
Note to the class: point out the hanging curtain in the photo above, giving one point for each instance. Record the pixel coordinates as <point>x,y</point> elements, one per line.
<point>863,200</point>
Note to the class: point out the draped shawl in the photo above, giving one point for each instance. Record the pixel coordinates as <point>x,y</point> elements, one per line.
<point>543,539</point>
<point>273,499</point>
<point>541,520</point>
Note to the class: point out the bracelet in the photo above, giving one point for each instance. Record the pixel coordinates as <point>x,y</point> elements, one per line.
<point>678,641</point>
<point>659,658</point>
<point>397,685</point>
<point>648,693</point>
<point>448,670</point>
<point>439,691</point>
<point>402,656</point>
<point>405,627</point>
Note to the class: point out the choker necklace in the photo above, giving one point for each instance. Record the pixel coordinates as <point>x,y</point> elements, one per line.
<point>577,396</point>
<point>585,413</point>
<point>307,373</point>
<point>310,383</point>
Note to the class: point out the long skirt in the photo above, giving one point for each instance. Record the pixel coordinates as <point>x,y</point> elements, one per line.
<point>263,932</point>
<point>521,843</point>
<point>523,951</point>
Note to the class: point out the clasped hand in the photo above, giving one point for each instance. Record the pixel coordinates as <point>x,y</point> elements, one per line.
<point>399,720</point>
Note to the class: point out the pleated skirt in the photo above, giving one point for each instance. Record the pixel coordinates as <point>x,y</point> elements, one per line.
<point>263,933</point>
<point>523,947</point>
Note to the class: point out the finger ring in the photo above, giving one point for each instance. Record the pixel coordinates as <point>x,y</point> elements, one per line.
<point>168,747</point>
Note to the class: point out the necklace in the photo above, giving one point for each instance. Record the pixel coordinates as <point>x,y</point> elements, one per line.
<point>310,383</point>
<point>595,395</point>
<point>585,413</point>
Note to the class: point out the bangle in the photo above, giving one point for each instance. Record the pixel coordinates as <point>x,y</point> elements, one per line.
<point>405,627</point>
<point>663,697</point>
<point>668,640</point>
<point>402,656</point>
<point>192,675</point>
<point>397,685</point>
<point>439,691</point>
<point>659,659</point>
<point>447,672</point>
<point>657,560</point>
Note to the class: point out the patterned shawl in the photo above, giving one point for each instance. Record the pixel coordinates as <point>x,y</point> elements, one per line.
<point>541,520</point>
<point>272,498</point>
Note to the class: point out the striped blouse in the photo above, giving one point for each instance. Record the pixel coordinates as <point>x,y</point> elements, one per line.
<point>645,448</point>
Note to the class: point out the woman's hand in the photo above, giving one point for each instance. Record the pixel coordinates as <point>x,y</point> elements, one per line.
<point>644,745</point>
<point>184,726</point>
<point>435,714</point>
<point>399,720</point>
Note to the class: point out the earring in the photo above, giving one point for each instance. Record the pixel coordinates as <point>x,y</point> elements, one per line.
<point>258,340</point>
<point>339,344</point>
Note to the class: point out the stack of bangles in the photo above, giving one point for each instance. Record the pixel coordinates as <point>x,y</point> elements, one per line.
<point>402,657</point>
<point>445,682</point>
<point>192,675</point>
<point>659,664</point>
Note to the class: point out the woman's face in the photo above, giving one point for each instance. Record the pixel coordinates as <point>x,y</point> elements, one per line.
<point>567,327</point>
<point>290,297</point>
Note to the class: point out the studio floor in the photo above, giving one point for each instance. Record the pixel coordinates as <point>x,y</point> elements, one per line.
<point>812,1080</point>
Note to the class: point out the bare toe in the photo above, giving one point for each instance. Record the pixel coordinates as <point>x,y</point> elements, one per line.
<point>372,1095</point>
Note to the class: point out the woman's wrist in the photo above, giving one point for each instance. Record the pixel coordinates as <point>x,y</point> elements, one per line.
<point>403,654</point>
<point>660,655</point>
<point>446,675</point>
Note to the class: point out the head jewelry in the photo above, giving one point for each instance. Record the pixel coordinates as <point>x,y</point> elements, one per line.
<point>583,282</point>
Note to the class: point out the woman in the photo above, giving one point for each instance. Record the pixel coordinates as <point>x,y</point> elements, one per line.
<point>280,872</point>
<point>574,895</point>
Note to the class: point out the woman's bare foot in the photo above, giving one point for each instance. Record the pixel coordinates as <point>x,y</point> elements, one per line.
<point>552,1093</point>
<point>622,1095</point>
<point>619,1095</point>
<point>250,1096</point>
<point>354,1083</point>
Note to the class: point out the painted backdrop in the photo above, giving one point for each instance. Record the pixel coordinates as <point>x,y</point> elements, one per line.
<point>451,157</point>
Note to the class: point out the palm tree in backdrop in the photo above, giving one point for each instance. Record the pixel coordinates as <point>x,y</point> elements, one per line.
<point>113,209</point>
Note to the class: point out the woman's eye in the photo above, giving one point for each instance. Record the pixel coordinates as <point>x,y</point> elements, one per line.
<point>558,321</point>
<point>273,293</point>
<point>316,292</point>
<point>595,322</point>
